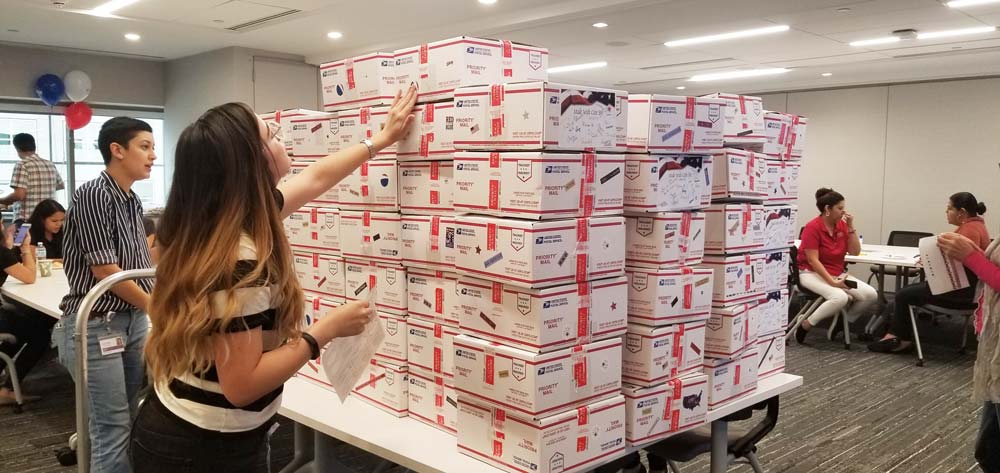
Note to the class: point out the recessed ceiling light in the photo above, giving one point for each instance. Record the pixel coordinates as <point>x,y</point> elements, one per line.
<point>487,2</point>
<point>12,30</point>
<point>600,24</point>
<point>961,32</point>
<point>577,67</point>
<point>826,74</point>
<point>969,3</point>
<point>335,35</point>
<point>725,36</point>
<point>108,8</point>
<point>738,74</point>
<point>680,87</point>
<point>132,37</point>
<point>218,21</point>
<point>876,41</point>
<point>843,10</point>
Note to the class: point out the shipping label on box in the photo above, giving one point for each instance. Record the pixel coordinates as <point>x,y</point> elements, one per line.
<point>372,186</point>
<point>365,122</point>
<point>779,226</point>
<point>536,185</point>
<point>314,137</point>
<point>536,115</point>
<point>674,124</point>
<point>321,273</point>
<point>653,355</point>
<point>783,181</point>
<point>394,346</point>
<point>734,228</point>
<point>433,400</point>
<point>359,81</point>
<point>731,330</point>
<point>744,120</point>
<point>385,386</point>
<point>667,183</point>
<point>371,235</point>
<point>574,441</point>
<point>426,188</point>
<point>543,320</point>
<point>540,254</point>
<point>776,268</point>
<point>388,280</point>
<point>658,411</point>
<point>433,296</point>
<point>738,278</point>
<point>428,242</point>
<point>665,240</point>
<point>535,384</point>
<point>659,297</point>
<point>772,356</point>
<point>431,346</point>
<point>772,310</point>
<point>739,176</point>
<point>431,135</point>
<point>728,380</point>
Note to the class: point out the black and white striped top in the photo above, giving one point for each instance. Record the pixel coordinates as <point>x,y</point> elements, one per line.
<point>103,226</point>
<point>197,397</point>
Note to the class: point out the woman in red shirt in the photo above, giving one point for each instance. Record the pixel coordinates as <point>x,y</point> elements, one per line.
<point>826,240</point>
<point>963,210</point>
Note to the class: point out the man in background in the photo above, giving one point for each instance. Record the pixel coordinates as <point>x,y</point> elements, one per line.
<point>34,179</point>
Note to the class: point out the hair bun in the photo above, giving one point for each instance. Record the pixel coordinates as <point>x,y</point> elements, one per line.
<point>980,208</point>
<point>822,191</point>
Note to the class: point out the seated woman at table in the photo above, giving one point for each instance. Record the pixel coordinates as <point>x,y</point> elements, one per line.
<point>826,240</point>
<point>964,211</point>
<point>31,328</point>
<point>46,228</point>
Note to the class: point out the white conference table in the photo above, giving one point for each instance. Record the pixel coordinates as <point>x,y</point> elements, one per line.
<point>44,295</point>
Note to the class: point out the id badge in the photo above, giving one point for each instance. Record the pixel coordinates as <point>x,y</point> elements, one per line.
<point>112,344</point>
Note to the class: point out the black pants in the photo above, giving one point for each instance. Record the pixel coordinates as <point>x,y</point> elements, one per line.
<point>988,442</point>
<point>917,295</point>
<point>161,442</point>
<point>33,330</point>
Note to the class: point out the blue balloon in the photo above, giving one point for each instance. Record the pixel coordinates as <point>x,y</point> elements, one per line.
<point>50,88</point>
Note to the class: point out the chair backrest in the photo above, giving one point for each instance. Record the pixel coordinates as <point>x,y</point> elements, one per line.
<point>906,238</point>
<point>793,267</point>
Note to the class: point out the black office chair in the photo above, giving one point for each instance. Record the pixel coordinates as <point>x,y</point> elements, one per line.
<point>808,302</point>
<point>899,238</point>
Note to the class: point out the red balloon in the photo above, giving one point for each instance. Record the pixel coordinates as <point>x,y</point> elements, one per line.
<point>78,115</point>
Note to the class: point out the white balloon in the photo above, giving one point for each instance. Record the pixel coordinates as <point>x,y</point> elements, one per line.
<point>77,85</point>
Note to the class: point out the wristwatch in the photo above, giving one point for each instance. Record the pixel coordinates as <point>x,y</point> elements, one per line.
<point>371,147</point>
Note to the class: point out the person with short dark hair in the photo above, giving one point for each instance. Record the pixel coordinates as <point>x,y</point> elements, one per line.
<point>966,212</point>
<point>46,228</point>
<point>104,235</point>
<point>31,328</point>
<point>34,179</point>
<point>826,241</point>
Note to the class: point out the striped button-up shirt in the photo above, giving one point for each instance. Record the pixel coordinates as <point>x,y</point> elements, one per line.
<point>103,226</point>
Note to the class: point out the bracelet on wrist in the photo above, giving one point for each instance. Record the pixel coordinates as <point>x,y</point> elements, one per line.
<point>313,345</point>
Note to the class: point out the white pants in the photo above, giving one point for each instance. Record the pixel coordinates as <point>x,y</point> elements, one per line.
<point>860,299</point>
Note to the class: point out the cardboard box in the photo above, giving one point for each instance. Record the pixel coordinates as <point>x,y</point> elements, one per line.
<point>314,137</point>
<point>329,199</point>
<point>428,242</point>
<point>659,297</point>
<point>656,412</point>
<point>426,188</point>
<point>536,185</point>
<point>431,135</point>
<point>782,181</point>
<point>358,82</point>
<point>314,229</point>
<point>785,136</point>
<point>540,254</point>
<point>737,279</point>
<point>739,176</point>
<point>533,384</point>
<point>433,400</point>
<point>779,226</point>
<point>394,347</point>
<point>772,356</point>
<point>744,120</point>
<point>536,116</point>
<point>385,386</point>
<point>667,183</point>
<point>621,119</point>
<point>442,66</point>
<point>321,273</point>
<point>389,281</point>
<point>431,347</point>
<point>734,228</point>
<point>315,307</point>
<point>574,441</point>
<point>653,355</point>
<point>675,124</point>
<point>371,235</point>
<point>772,312</point>
<point>665,240</point>
<point>729,380</point>
<point>543,320</point>
<point>298,228</point>
<point>372,186</point>
<point>284,117</point>
<point>799,137</point>
<point>359,123</point>
<point>433,296</point>
<point>776,268</point>
<point>731,330</point>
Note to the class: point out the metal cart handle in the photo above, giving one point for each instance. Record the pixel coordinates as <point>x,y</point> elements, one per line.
<point>80,342</point>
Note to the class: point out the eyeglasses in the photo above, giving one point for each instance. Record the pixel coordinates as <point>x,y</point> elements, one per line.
<point>275,129</point>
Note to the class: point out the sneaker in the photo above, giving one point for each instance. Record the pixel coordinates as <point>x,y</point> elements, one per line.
<point>887,345</point>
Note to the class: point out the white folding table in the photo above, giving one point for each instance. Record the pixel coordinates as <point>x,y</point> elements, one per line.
<point>44,295</point>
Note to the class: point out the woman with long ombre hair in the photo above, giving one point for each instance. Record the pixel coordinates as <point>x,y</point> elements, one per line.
<point>227,309</point>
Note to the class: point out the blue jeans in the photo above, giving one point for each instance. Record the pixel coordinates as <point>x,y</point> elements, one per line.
<point>988,442</point>
<point>112,383</point>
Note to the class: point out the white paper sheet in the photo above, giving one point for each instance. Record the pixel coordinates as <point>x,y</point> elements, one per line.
<point>346,359</point>
<point>943,273</point>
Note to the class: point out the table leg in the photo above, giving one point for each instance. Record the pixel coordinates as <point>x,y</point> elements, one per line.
<point>304,450</point>
<point>881,283</point>
<point>899,279</point>
<point>720,446</point>
<point>326,455</point>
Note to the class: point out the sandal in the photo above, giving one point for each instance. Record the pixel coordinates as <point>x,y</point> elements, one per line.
<point>887,345</point>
